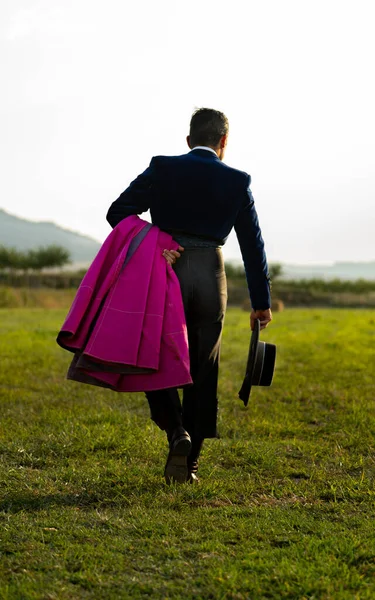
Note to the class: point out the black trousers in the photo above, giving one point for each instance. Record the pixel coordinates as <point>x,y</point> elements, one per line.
<point>204,292</point>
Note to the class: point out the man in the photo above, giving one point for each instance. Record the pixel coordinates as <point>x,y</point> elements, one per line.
<point>198,199</point>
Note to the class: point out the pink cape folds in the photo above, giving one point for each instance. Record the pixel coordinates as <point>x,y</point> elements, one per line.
<point>126,325</point>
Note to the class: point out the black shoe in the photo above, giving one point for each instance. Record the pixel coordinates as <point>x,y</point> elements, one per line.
<point>176,468</point>
<point>196,447</point>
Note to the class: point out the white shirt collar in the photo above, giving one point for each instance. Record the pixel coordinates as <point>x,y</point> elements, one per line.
<point>204,148</point>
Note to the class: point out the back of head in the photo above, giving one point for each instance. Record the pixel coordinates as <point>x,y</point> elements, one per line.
<point>207,127</point>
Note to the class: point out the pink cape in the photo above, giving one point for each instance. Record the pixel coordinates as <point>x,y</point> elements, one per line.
<point>127,324</point>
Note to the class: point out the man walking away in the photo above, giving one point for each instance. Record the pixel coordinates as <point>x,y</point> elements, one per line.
<point>199,199</point>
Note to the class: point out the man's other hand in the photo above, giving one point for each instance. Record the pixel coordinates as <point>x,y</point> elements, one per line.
<point>172,255</point>
<point>264,316</point>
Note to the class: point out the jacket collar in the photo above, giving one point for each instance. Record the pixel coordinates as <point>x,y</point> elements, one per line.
<point>204,152</point>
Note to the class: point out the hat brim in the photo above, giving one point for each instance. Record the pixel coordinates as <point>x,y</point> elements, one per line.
<point>244,393</point>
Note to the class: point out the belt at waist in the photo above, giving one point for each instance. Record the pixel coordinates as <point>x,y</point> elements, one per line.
<point>194,241</point>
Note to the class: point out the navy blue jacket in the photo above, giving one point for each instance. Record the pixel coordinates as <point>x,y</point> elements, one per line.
<point>196,193</point>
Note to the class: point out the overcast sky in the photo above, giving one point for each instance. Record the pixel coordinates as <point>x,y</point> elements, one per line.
<point>90,91</point>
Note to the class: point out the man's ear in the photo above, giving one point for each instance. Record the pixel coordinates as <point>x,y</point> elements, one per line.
<point>223,141</point>
<point>188,141</point>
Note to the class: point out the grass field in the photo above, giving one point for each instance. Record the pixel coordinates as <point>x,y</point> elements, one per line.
<point>285,506</point>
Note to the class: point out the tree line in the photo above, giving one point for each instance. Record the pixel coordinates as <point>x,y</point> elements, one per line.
<point>34,259</point>
<point>25,267</point>
<point>237,271</point>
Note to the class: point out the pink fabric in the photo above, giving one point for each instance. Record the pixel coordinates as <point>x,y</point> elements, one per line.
<point>131,316</point>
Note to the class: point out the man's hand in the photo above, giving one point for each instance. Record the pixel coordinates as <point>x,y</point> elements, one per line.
<point>264,316</point>
<point>172,255</point>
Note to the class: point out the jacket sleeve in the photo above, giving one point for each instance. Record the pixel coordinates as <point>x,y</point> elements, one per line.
<point>136,199</point>
<point>251,244</point>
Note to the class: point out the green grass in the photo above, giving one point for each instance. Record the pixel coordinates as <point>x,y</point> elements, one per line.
<point>285,507</point>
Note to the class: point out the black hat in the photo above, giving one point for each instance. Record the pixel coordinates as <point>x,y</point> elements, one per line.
<point>260,364</point>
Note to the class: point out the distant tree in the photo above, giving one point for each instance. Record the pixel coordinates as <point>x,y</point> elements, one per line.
<point>238,272</point>
<point>234,271</point>
<point>48,256</point>
<point>275,271</point>
<point>10,258</point>
<point>37,259</point>
<point>4,258</point>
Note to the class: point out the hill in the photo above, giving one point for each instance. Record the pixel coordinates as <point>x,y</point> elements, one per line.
<point>23,235</point>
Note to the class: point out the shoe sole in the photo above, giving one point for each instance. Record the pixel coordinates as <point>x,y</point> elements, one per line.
<point>176,469</point>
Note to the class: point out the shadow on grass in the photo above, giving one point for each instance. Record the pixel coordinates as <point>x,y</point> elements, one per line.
<point>120,495</point>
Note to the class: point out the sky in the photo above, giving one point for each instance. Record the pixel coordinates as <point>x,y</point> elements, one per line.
<point>92,90</point>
